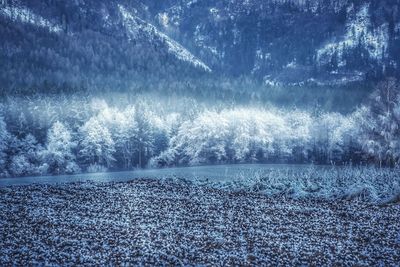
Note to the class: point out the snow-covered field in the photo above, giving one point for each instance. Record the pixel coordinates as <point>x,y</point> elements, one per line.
<point>167,221</point>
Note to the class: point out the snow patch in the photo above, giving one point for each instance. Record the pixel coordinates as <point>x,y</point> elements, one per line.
<point>163,19</point>
<point>190,3</point>
<point>135,25</point>
<point>358,31</point>
<point>292,65</point>
<point>25,15</point>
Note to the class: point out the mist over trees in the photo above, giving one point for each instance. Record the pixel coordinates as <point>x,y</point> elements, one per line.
<point>65,135</point>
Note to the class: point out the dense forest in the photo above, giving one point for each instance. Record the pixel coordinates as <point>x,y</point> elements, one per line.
<point>67,134</point>
<point>63,46</point>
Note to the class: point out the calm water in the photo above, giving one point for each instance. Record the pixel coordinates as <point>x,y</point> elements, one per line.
<point>217,172</point>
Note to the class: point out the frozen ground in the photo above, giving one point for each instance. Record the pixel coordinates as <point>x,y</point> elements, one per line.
<point>378,186</point>
<point>215,173</point>
<point>169,221</point>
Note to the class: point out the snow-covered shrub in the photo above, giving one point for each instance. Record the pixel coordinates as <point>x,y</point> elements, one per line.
<point>370,184</point>
<point>72,168</point>
<point>96,168</point>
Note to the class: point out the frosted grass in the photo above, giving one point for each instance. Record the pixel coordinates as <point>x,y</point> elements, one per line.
<point>371,184</point>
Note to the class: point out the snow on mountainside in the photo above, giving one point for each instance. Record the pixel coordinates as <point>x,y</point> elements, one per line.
<point>358,32</point>
<point>276,41</point>
<point>132,23</point>
<point>288,41</point>
<point>81,45</point>
<point>24,15</point>
<point>135,25</point>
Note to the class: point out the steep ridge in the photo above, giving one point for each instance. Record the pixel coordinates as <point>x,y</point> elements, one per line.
<point>72,45</point>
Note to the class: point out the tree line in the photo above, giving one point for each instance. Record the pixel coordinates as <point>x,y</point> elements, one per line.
<point>71,135</point>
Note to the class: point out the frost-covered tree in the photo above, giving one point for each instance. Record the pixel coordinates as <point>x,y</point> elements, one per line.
<point>380,126</point>
<point>328,134</point>
<point>203,140</point>
<point>96,145</point>
<point>144,135</point>
<point>168,134</point>
<point>257,135</point>
<point>125,144</point>
<point>24,156</point>
<point>122,128</point>
<point>58,155</point>
<point>298,136</point>
<point>239,135</point>
<point>4,139</point>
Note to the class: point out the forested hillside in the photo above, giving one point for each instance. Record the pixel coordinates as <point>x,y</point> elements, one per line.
<point>48,46</point>
<point>138,45</point>
<point>290,41</point>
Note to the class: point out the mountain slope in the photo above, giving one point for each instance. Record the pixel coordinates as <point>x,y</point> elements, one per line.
<point>289,41</point>
<point>51,45</point>
<point>134,25</point>
<point>138,44</point>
